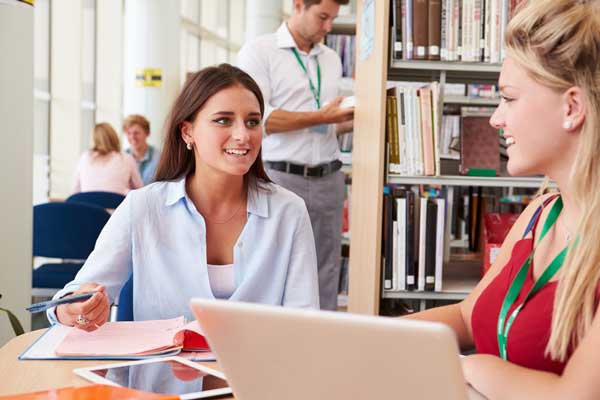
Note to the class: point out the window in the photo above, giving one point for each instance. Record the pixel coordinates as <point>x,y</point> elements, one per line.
<point>212,33</point>
<point>41,94</point>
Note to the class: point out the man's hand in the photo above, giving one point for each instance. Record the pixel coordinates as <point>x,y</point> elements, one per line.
<point>333,114</point>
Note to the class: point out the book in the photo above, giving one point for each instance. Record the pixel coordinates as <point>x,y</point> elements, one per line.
<point>420,29</point>
<point>430,244</point>
<point>89,392</point>
<point>123,340</point>
<point>440,243</point>
<point>479,146</point>
<point>434,27</point>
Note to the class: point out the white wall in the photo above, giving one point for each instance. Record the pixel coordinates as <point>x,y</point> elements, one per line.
<point>16,134</point>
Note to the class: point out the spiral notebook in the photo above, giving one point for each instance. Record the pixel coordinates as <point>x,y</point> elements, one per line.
<point>124,340</point>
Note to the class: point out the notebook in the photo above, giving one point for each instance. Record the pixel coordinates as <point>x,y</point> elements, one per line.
<point>124,340</point>
<point>92,392</point>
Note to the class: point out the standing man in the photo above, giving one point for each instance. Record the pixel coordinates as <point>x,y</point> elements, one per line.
<point>137,130</point>
<point>299,78</point>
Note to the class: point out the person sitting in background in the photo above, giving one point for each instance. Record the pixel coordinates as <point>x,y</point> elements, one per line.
<point>137,130</point>
<point>534,317</point>
<point>212,225</point>
<point>104,167</point>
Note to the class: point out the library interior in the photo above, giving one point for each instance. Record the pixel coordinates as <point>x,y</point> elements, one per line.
<point>233,198</point>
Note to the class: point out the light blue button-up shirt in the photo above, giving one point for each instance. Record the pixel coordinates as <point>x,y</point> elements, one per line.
<point>147,165</point>
<point>158,234</point>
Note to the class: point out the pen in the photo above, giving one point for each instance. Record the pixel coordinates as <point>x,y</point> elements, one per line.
<point>44,305</point>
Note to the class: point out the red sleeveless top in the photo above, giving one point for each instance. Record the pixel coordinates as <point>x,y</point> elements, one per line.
<point>530,331</point>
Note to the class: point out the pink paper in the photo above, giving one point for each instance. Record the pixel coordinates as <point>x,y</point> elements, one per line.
<point>122,338</point>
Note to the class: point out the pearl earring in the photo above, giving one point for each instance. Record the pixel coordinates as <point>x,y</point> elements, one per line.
<point>568,124</point>
<point>189,146</point>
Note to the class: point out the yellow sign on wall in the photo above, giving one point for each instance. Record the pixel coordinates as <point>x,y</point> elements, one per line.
<point>148,77</point>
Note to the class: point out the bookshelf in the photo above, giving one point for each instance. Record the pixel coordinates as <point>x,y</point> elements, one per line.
<point>368,158</point>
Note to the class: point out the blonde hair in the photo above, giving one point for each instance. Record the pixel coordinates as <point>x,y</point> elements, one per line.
<point>558,43</point>
<point>104,139</point>
<point>136,119</point>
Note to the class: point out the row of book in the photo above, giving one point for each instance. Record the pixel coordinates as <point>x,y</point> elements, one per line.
<point>450,30</point>
<point>412,128</point>
<point>417,137</point>
<point>413,240</point>
<point>345,46</point>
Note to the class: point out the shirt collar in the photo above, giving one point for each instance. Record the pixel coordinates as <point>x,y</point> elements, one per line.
<point>258,203</point>
<point>285,40</point>
<point>147,154</point>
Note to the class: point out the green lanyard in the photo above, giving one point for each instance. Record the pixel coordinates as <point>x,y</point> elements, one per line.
<point>316,92</point>
<point>517,283</point>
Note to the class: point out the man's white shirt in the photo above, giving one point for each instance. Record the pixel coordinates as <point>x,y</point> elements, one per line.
<point>270,61</point>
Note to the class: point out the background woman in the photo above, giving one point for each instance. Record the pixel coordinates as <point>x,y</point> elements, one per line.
<point>104,167</point>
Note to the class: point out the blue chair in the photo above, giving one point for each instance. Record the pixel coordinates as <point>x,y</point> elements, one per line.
<point>67,231</point>
<point>100,199</point>
<point>125,306</point>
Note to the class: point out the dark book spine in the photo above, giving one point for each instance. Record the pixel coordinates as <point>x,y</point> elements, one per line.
<point>430,245</point>
<point>388,270</point>
<point>411,266</point>
<point>434,27</point>
<point>420,29</point>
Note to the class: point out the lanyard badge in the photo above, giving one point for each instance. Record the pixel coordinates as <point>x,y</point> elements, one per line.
<point>505,324</point>
<point>315,91</point>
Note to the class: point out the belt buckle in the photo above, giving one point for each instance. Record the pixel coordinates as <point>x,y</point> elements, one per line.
<point>305,172</point>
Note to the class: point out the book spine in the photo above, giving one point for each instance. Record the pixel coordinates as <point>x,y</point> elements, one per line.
<point>401,210</point>
<point>420,27</point>
<point>410,41</point>
<point>434,22</point>
<point>430,249</point>
<point>387,242</point>
<point>422,243</point>
<point>440,243</point>
<point>444,32</point>
<point>411,241</point>
<point>427,132</point>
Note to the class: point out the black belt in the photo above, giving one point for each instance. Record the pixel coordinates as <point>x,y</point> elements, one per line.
<point>305,170</point>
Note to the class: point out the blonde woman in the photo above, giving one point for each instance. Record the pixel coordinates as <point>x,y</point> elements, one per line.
<point>533,318</point>
<point>104,167</point>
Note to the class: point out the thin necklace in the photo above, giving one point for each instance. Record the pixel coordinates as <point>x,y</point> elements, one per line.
<point>228,219</point>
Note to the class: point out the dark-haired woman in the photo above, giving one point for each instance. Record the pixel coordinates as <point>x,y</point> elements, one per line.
<point>212,226</point>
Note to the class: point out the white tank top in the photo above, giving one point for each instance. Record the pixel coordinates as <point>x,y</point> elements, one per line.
<point>222,280</point>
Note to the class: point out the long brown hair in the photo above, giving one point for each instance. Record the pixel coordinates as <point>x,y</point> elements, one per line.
<point>557,42</point>
<point>176,161</point>
<point>104,139</point>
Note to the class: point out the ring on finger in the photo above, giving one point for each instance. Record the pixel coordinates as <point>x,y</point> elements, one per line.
<point>81,320</point>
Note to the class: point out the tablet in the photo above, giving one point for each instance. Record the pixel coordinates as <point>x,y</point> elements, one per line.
<point>164,375</point>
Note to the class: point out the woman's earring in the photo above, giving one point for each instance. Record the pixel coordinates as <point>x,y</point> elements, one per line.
<point>568,124</point>
<point>189,146</point>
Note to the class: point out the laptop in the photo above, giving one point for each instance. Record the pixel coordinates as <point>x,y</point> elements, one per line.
<point>269,352</point>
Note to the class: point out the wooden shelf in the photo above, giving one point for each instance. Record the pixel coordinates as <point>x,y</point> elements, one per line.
<point>445,66</point>
<point>470,101</point>
<point>457,180</point>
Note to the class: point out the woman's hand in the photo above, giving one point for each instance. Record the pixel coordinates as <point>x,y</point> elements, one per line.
<point>87,315</point>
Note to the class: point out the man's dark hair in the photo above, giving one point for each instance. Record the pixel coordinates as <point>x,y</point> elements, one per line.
<point>308,3</point>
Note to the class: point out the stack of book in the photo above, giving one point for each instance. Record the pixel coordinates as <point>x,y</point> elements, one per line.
<point>413,240</point>
<point>450,30</point>
<point>345,46</point>
<point>412,128</point>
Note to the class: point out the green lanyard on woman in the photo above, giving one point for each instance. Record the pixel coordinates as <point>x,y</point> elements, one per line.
<point>517,284</point>
<point>316,92</point>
